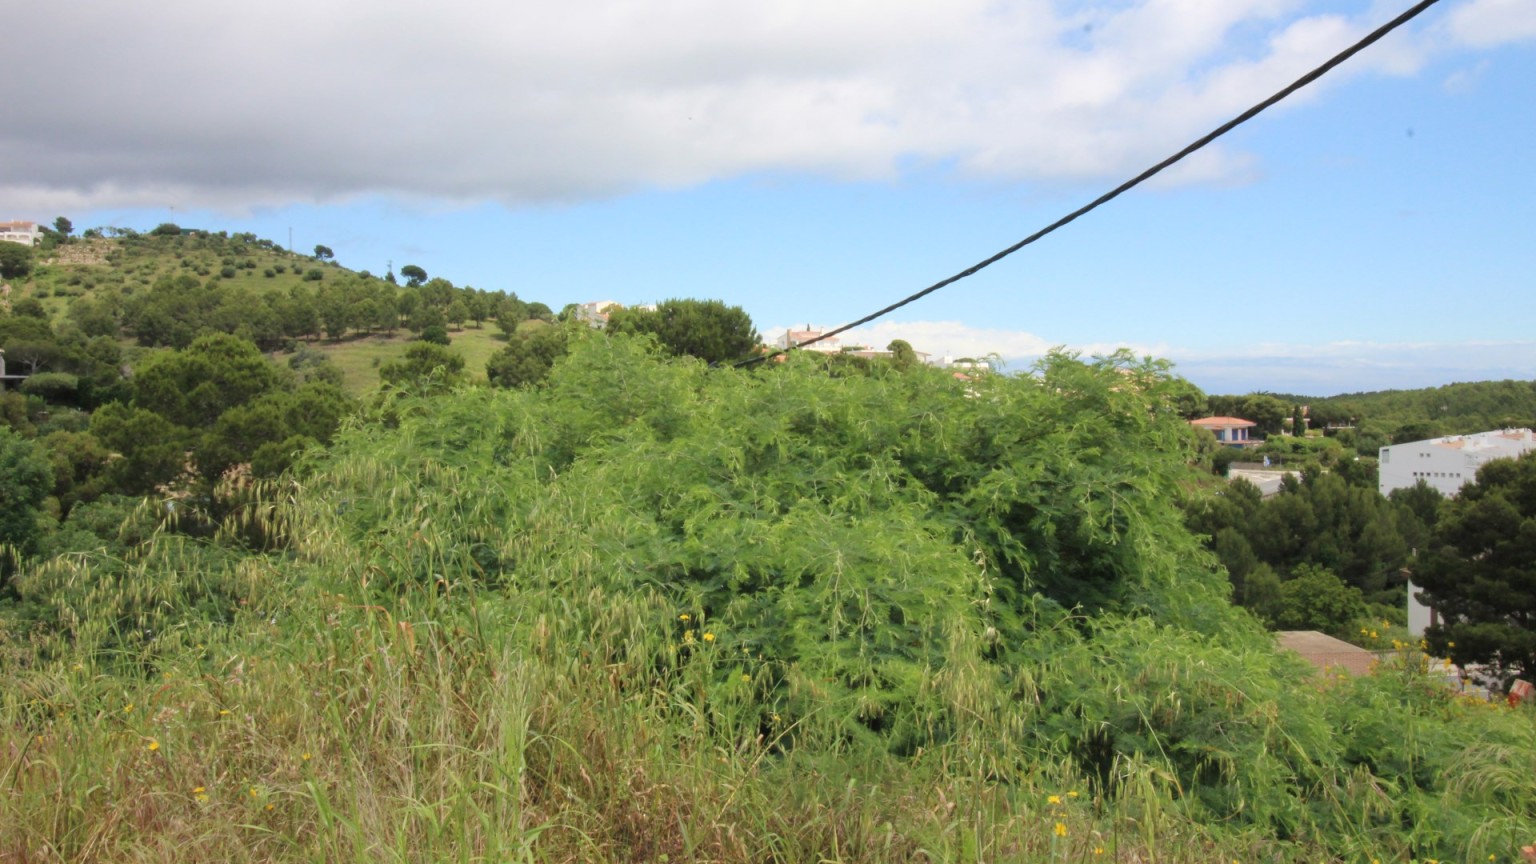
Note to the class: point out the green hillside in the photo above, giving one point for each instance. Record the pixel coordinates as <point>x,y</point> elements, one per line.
<point>163,287</point>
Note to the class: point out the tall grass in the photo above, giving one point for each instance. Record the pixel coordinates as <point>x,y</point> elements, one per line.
<point>653,613</point>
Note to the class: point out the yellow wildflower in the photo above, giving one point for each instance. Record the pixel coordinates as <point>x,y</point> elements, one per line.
<point>746,679</point>
<point>1072,794</point>
<point>1054,799</point>
<point>685,617</point>
<point>128,709</point>
<point>306,757</point>
<point>1060,829</point>
<point>199,790</point>
<point>709,637</point>
<point>1098,850</point>
<point>153,745</point>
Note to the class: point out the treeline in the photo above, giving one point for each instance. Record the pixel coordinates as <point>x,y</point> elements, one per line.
<point>1454,409</point>
<point>145,374</point>
<point>1366,422</point>
<point>1322,554</point>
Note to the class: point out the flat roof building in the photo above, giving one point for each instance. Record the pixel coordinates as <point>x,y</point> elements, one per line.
<point>1445,464</point>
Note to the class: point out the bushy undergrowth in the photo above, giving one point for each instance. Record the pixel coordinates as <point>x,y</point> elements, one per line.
<point>653,609</point>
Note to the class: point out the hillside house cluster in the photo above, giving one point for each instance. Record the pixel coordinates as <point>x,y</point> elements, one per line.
<point>27,233</point>
<point>1446,464</point>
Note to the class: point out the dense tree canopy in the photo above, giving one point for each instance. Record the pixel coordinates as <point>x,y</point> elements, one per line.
<point>706,329</point>
<point>427,367</point>
<point>414,275</point>
<point>26,478</point>
<point>213,406</point>
<point>1480,573</point>
<point>529,355</point>
<point>15,260</point>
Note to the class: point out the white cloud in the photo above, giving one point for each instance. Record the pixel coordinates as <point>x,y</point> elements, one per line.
<point>1485,23</point>
<point>190,104</point>
<point>1465,80</point>
<point>1315,369</point>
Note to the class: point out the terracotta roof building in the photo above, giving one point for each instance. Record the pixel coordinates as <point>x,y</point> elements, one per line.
<point>1231,431</point>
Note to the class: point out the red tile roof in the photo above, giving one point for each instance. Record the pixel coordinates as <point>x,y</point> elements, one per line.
<point>1223,423</point>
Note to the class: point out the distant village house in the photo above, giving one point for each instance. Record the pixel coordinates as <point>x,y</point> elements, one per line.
<point>1230,431</point>
<point>798,338</point>
<point>28,233</point>
<point>595,314</point>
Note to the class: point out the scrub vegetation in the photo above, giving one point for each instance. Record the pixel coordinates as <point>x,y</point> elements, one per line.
<point>646,610</point>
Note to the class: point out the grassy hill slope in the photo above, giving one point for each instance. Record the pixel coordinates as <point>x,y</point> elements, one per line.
<point>113,271</point>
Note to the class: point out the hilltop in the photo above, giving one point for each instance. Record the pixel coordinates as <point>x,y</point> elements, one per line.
<point>163,287</point>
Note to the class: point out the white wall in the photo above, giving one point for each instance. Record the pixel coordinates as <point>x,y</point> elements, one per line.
<point>1446,464</point>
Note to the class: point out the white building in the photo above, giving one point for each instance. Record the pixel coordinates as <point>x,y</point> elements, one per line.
<point>21,232</point>
<point>796,338</point>
<point>1449,463</point>
<point>1446,464</point>
<point>595,314</point>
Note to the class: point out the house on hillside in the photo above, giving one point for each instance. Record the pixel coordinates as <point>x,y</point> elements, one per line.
<point>6,379</point>
<point>1229,431</point>
<point>595,314</point>
<point>28,233</point>
<point>797,338</point>
<point>1445,464</point>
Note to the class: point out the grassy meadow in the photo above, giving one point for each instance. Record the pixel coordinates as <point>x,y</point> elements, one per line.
<point>359,357</point>
<point>654,612</point>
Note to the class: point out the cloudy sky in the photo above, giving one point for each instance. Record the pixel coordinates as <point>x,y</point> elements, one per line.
<point>813,161</point>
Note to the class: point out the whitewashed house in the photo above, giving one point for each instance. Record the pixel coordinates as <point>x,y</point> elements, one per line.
<point>28,233</point>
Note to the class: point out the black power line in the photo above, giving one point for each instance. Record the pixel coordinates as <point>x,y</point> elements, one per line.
<point>1219,131</point>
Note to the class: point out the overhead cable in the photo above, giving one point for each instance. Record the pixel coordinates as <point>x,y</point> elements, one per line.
<point>1219,131</point>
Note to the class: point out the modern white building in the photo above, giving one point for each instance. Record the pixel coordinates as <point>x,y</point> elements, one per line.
<point>21,232</point>
<point>1451,462</point>
<point>1445,464</point>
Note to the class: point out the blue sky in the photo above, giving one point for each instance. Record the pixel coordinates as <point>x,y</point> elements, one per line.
<point>812,162</point>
